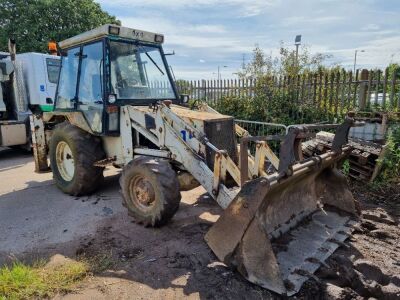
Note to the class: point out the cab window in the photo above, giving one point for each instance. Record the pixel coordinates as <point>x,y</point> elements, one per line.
<point>90,95</point>
<point>68,78</point>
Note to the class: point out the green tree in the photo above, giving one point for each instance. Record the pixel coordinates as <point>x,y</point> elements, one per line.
<point>284,64</point>
<point>260,64</point>
<point>306,62</point>
<point>33,23</point>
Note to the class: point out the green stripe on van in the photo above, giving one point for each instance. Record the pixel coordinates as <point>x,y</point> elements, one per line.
<point>47,107</point>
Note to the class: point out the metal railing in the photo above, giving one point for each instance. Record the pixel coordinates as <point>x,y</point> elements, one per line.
<point>257,128</point>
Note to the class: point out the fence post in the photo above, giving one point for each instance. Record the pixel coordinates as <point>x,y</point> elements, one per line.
<point>362,93</point>
<point>203,88</point>
<point>385,79</point>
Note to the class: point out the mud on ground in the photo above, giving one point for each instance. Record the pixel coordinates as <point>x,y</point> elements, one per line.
<point>370,266</point>
<point>175,262</point>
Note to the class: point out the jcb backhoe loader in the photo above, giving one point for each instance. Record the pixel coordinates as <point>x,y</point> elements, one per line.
<point>117,104</point>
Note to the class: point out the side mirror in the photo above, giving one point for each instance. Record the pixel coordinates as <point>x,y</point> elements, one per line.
<point>184,98</point>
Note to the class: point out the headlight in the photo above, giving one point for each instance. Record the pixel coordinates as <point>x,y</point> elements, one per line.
<point>159,38</point>
<point>113,118</point>
<point>113,30</point>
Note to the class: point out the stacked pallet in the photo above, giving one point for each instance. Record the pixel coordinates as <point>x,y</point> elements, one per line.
<point>363,159</point>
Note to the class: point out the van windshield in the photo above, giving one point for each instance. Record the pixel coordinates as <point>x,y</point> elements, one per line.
<point>138,72</point>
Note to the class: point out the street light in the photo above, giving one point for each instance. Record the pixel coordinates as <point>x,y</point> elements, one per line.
<point>297,43</point>
<point>219,74</point>
<point>393,55</point>
<point>355,60</point>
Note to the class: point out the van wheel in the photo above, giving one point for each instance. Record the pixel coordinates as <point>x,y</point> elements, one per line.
<point>72,155</point>
<point>150,190</point>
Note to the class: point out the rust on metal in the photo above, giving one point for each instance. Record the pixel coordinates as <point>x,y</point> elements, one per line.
<point>105,162</point>
<point>276,221</point>
<point>39,145</point>
<point>74,117</point>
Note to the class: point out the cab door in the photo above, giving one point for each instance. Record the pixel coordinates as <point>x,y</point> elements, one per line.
<point>90,88</point>
<point>66,91</point>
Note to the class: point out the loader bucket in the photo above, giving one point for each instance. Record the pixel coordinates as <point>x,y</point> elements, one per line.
<point>278,230</point>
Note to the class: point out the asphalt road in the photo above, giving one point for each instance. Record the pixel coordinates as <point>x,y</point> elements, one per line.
<point>35,214</point>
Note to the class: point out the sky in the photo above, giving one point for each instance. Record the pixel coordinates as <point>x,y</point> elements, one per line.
<point>205,34</point>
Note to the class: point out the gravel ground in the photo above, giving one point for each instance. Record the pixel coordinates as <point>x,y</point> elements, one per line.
<point>174,261</point>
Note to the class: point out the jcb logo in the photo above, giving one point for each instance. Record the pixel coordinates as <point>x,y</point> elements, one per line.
<point>137,34</point>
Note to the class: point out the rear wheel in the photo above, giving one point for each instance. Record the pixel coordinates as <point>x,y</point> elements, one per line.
<point>73,153</point>
<point>150,190</point>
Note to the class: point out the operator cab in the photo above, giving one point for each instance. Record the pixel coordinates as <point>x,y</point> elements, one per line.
<point>108,67</point>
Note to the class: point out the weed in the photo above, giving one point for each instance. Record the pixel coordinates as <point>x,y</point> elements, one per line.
<point>391,161</point>
<point>22,281</point>
<point>346,167</point>
<point>100,262</point>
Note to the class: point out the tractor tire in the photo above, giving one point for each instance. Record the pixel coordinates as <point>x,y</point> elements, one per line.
<point>150,190</point>
<point>73,153</point>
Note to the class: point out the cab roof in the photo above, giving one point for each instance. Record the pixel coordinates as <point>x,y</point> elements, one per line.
<point>115,31</point>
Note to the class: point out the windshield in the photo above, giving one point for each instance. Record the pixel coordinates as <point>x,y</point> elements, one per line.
<point>138,72</point>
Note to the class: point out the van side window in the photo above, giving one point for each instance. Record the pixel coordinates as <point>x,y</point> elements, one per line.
<point>53,69</point>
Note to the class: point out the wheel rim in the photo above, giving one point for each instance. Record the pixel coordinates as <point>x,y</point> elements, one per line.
<point>65,161</point>
<point>142,193</point>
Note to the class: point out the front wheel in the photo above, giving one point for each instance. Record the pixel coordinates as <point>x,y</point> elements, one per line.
<point>150,190</point>
<point>73,153</point>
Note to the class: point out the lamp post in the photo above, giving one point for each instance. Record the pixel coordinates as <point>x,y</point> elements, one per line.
<point>297,43</point>
<point>393,55</point>
<point>355,60</point>
<point>219,74</point>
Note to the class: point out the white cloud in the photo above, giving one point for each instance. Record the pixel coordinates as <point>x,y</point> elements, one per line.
<point>377,53</point>
<point>370,27</point>
<point>291,21</point>
<point>246,8</point>
<point>190,36</point>
<point>209,28</point>
<point>208,33</point>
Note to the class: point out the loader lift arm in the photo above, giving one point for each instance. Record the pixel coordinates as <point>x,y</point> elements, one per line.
<point>277,202</point>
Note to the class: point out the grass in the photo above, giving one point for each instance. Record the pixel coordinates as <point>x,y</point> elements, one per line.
<point>38,280</point>
<point>99,262</point>
<point>22,281</point>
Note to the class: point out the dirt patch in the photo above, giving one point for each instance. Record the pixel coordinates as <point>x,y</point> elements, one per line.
<point>133,262</point>
<point>174,261</point>
<point>370,266</point>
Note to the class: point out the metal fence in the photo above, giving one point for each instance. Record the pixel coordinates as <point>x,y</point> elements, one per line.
<point>373,130</point>
<point>334,91</point>
<point>262,128</point>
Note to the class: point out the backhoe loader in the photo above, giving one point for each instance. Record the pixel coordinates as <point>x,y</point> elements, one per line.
<point>117,105</point>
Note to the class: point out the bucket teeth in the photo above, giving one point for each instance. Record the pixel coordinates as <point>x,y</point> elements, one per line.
<point>315,260</point>
<point>306,273</point>
<point>342,232</point>
<point>341,244</point>
<point>278,234</point>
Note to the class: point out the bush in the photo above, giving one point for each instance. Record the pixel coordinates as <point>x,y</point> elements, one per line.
<point>390,163</point>
<point>270,104</point>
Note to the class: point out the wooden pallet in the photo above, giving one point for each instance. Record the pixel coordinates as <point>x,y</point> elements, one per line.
<point>363,158</point>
